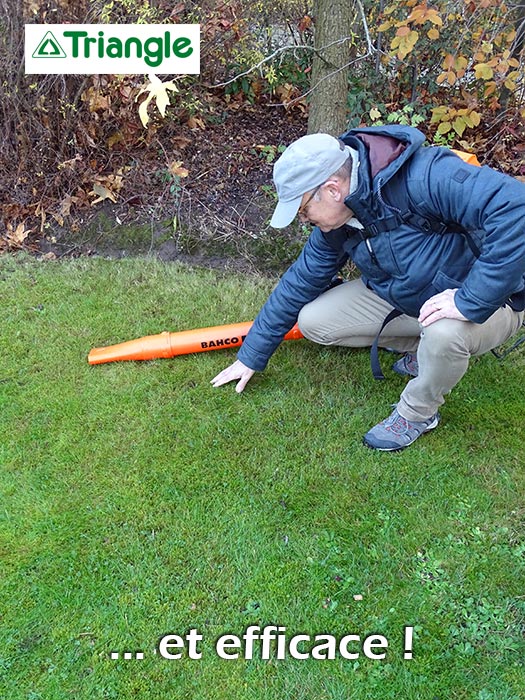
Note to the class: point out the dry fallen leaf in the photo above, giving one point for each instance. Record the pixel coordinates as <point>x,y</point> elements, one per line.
<point>19,234</point>
<point>159,92</point>
<point>176,169</point>
<point>102,193</point>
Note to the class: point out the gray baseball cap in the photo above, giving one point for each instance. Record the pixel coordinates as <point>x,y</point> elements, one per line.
<point>304,165</point>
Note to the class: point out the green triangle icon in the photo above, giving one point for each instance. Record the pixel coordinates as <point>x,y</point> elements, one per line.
<point>49,48</point>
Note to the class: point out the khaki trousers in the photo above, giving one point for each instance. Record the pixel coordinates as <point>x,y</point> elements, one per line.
<point>351,315</point>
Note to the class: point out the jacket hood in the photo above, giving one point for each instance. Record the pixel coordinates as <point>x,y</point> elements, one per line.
<point>387,147</point>
<point>382,151</point>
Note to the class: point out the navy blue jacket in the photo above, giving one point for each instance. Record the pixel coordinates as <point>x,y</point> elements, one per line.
<point>480,250</point>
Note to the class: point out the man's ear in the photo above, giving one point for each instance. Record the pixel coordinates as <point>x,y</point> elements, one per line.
<point>334,189</point>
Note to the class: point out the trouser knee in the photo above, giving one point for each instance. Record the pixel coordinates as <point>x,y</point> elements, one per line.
<point>309,325</point>
<point>444,337</point>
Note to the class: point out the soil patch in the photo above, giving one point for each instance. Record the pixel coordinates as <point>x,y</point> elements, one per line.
<point>217,216</point>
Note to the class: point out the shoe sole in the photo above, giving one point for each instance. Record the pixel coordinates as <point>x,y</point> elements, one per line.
<point>398,448</point>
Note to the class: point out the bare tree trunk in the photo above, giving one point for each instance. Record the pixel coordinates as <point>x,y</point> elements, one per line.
<point>333,24</point>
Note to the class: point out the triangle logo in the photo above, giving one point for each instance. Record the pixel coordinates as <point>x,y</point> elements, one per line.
<point>49,48</point>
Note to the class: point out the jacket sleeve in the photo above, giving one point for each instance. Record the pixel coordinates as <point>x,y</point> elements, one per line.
<point>304,280</point>
<point>480,200</point>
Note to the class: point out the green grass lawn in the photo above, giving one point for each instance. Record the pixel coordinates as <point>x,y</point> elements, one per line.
<point>136,501</point>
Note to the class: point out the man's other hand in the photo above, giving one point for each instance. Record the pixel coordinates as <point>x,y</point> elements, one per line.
<point>440,306</point>
<point>236,371</point>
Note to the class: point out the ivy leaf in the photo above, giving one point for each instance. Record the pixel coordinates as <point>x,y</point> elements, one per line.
<point>158,91</point>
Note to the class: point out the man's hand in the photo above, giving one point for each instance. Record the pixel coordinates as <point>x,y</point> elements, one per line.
<point>440,306</point>
<point>236,371</point>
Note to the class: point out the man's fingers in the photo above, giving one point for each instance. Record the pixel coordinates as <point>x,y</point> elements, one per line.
<point>439,306</point>
<point>242,383</point>
<point>219,380</point>
<point>236,371</point>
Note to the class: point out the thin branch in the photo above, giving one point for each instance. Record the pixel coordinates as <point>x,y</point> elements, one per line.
<point>321,80</point>
<point>289,47</point>
<point>369,42</point>
<point>370,50</point>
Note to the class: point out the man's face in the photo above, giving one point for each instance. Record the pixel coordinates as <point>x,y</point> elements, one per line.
<point>324,206</point>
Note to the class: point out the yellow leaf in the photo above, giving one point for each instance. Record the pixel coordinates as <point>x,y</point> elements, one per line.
<point>438,114</point>
<point>158,91</point>
<point>416,15</point>
<point>391,8</point>
<point>433,34</point>
<point>374,114</point>
<point>475,118</point>
<point>435,18</point>
<point>483,71</point>
<point>459,125</point>
<point>451,77</point>
<point>449,61</point>
<point>175,168</point>
<point>441,78</point>
<point>422,14</point>
<point>384,26</point>
<point>444,128</point>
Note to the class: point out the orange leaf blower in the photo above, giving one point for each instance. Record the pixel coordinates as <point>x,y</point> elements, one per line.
<point>167,344</point>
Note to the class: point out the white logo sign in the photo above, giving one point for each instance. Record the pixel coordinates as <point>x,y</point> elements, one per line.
<point>124,49</point>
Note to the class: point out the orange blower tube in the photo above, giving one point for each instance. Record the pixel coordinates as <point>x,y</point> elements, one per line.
<point>166,344</point>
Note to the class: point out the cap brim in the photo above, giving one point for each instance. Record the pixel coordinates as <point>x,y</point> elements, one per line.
<point>285,213</point>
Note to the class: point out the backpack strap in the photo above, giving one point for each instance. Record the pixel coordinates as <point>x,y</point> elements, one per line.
<point>374,354</point>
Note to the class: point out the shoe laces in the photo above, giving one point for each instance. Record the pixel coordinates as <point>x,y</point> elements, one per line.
<point>397,424</point>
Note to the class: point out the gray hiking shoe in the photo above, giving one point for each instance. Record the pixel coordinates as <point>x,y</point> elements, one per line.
<point>407,365</point>
<point>396,432</point>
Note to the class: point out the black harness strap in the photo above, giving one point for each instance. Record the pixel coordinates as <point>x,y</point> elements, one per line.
<point>374,354</point>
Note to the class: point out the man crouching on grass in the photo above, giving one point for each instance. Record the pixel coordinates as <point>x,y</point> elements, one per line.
<point>438,242</point>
